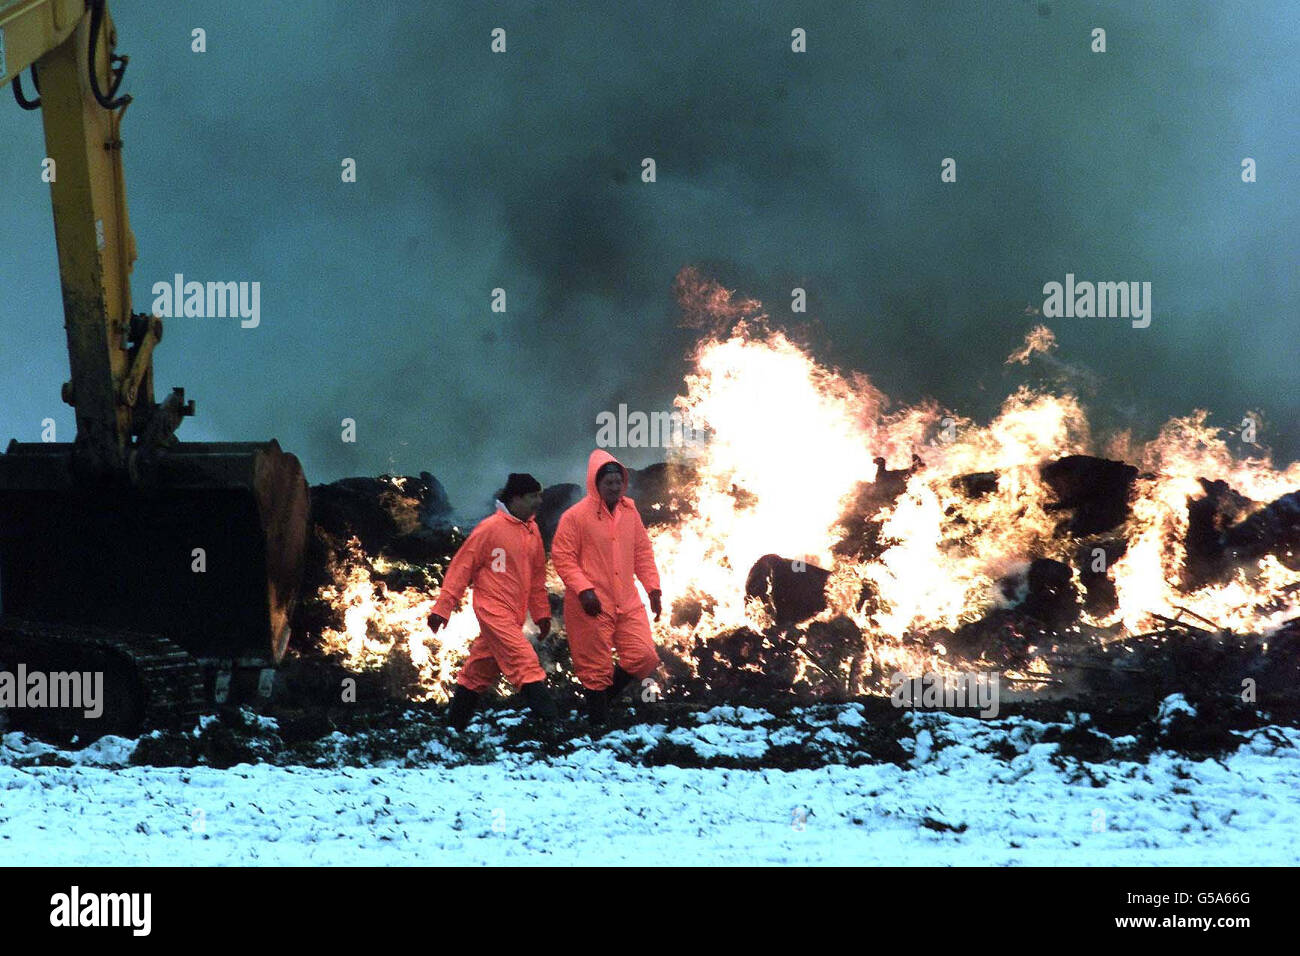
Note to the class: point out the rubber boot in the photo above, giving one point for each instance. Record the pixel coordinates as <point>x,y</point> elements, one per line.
<point>621,679</point>
<point>540,701</point>
<point>462,707</point>
<point>597,706</point>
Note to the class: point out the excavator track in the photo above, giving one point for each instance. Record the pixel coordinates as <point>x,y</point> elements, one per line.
<point>148,681</point>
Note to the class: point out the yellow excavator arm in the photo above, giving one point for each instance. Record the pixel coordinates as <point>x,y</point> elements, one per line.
<point>69,48</point>
<point>196,544</point>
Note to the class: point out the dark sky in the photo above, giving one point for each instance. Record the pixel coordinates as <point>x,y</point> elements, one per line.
<point>775,169</point>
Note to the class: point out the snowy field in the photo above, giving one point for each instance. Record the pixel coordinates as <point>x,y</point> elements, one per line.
<point>971,792</point>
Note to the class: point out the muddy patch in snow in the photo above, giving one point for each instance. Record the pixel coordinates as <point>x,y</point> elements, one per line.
<point>866,731</point>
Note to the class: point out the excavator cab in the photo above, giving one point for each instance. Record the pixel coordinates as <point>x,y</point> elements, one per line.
<point>127,552</point>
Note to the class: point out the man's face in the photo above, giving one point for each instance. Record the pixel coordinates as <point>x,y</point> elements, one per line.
<point>524,507</point>
<point>610,486</point>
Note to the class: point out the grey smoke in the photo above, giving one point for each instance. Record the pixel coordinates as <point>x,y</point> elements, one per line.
<point>776,170</point>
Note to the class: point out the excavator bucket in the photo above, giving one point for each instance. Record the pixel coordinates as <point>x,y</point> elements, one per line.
<point>126,555</point>
<point>205,550</point>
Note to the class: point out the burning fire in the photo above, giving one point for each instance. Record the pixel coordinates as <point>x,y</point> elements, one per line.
<point>1186,450</point>
<point>793,443</point>
<point>380,622</point>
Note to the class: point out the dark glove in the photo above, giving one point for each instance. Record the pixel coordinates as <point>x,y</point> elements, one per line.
<point>656,602</point>
<point>436,621</point>
<point>590,603</point>
<point>543,628</point>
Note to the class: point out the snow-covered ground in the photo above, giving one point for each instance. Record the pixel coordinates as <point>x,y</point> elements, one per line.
<point>973,792</point>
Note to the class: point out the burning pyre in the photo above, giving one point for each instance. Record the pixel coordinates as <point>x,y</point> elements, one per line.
<point>821,540</point>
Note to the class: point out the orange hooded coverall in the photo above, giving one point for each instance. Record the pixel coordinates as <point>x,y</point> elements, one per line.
<point>504,559</point>
<point>596,550</point>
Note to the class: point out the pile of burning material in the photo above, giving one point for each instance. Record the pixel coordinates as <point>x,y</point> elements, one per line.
<point>821,541</point>
<point>826,541</point>
<point>1046,617</point>
<point>377,552</point>
<point>1033,571</point>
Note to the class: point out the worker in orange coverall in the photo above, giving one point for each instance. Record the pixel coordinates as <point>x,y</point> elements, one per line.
<point>600,544</point>
<point>505,561</point>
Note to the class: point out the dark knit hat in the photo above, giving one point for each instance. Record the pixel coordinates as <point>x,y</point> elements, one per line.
<point>519,484</point>
<point>608,466</point>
